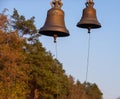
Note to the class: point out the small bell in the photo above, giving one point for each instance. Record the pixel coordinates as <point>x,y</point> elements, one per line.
<point>89,19</point>
<point>54,25</point>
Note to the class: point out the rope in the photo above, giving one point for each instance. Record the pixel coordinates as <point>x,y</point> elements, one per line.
<point>88,58</point>
<point>56,56</point>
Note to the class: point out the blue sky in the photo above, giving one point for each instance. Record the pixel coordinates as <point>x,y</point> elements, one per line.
<point>104,68</point>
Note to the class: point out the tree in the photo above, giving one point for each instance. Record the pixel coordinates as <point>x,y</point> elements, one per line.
<point>92,91</point>
<point>12,67</point>
<point>47,75</point>
<point>24,26</point>
<point>3,21</point>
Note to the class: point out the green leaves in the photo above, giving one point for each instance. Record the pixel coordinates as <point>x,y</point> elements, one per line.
<point>22,25</point>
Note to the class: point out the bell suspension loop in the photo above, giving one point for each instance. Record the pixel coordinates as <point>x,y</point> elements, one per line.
<point>89,3</point>
<point>56,3</point>
<point>89,0</point>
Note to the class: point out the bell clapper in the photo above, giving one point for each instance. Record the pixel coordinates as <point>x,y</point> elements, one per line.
<point>89,29</point>
<point>55,37</point>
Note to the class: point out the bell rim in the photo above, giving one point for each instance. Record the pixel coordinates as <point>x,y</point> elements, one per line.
<point>51,33</point>
<point>92,26</point>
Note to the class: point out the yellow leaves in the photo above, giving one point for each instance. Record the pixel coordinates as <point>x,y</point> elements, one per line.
<point>13,91</point>
<point>12,76</point>
<point>3,21</point>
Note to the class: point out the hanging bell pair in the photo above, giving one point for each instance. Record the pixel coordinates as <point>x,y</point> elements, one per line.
<point>54,25</point>
<point>89,19</point>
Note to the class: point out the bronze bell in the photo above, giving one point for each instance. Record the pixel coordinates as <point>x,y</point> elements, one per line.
<point>54,25</point>
<point>89,19</point>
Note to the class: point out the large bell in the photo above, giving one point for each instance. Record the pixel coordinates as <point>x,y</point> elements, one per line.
<point>89,19</point>
<point>54,24</point>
